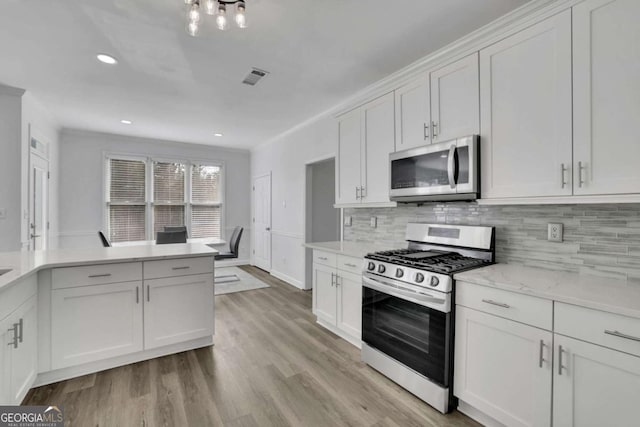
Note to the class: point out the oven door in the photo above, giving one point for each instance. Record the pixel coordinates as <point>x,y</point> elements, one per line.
<point>411,333</point>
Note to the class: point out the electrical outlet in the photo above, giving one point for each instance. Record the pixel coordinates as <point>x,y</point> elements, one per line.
<point>347,221</point>
<point>554,232</point>
<point>373,222</point>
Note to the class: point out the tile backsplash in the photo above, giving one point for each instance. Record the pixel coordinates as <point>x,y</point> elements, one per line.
<point>602,240</point>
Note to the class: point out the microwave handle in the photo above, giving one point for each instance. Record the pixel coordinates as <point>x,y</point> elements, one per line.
<point>451,167</point>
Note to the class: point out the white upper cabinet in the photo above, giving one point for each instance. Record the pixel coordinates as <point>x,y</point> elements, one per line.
<point>455,100</point>
<point>366,137</point>
<point>349,142</point>
<point>413,114</point>
<point>525,93</point>
<point>379,143</point>
<point>606,78</point>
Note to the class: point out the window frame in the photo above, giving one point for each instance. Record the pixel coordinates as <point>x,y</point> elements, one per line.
<point>149,191</point>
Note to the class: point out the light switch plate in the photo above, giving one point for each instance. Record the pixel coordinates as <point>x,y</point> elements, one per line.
<point>554,232</point>
<point>347,221</point>
<point>373,222</point>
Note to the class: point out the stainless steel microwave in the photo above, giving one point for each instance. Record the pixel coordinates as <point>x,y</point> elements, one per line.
<point>438,172</point>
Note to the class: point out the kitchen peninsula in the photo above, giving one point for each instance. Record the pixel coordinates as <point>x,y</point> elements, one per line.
<point>66,313</point>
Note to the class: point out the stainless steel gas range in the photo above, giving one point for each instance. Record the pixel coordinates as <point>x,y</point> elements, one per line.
<point>408,303</point>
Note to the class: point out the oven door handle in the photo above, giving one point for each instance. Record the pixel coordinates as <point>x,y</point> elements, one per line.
<point>426,300</point>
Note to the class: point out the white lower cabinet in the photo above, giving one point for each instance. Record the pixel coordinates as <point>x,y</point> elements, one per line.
<point>90,323</point>
<point>337,295</point>
<point>503,368</point>
<point>594,386</point>
<point>178,309</point>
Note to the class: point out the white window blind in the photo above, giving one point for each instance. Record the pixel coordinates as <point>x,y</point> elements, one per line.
<point>168,195</point>
<point>206,204</point>
<point>126,205</point>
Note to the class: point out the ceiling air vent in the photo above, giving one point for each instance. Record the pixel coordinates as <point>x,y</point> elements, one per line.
<point>254,76</point>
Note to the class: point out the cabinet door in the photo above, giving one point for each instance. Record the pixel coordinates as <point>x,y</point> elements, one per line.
<point>503,368</point>
<point>413,114</point>
<point>24,361</point>
<point>96,322</point>
<point>350,303</point>
<point>324,293</point>
<point>606,96</point>
<point>349,147</point>
<point>455,100</point>
<point>379,125</point>
<point>594,386</point>
<point>178,309</point>
<point>525,95</point>
<point>6,349</point>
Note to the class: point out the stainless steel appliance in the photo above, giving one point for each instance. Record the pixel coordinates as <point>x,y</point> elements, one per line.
<point>408,303</point>
<point>445,171</point>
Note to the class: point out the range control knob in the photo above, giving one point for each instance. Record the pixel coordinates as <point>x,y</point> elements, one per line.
<point>399,272</point>
<point>434,281</point>
<point>371,266</point>
<point>381,268</point>
<point>419,277</point>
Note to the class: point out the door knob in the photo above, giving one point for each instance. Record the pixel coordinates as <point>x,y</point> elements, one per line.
<point>268,228</point>
<point>33,236</point>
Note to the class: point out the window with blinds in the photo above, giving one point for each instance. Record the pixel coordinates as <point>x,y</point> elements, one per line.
<point>206,204</point>
<point>126,204</point>
<point>168,195</point>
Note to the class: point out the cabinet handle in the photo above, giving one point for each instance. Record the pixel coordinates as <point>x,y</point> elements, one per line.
<point>323,258</point>
<point>148,294</point>
<point>14,341</point>
<point>337,282</point>
<point>363,193</point>
<point>541,356</point>
<point>93,276</point>
<point>434,126</point>
<point>137,295</point>
<point>350,265</point>
<point>563,170</point>
<point>621,335</point>
<point>425,132</point>
<point>357,193</point>
<point>332,280</point>
<point>21,329</point>
<point>560,351</point>
<point>186,267</point>
<point>499,304</point>
<point>581,167</point>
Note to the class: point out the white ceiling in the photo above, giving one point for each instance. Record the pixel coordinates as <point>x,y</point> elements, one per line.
<point>176,87</point>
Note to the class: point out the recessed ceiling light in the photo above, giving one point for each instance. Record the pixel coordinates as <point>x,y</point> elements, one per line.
<point>126,122</point>
<point>107,59</point>
<point>217,134</point>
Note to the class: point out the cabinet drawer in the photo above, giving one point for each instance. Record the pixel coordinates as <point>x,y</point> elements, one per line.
<point>599,327</point>
<point>526,309</point>
<point>325,258</point>
<point>350,264</point>
<point>15,295</point>
<point>69,277</point>
<point>177,267</point>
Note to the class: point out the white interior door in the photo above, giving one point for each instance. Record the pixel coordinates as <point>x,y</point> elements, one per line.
<point>262,222</point>
<point>38,203</point>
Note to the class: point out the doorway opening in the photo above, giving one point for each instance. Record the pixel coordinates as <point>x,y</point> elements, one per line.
<point>322,220</point>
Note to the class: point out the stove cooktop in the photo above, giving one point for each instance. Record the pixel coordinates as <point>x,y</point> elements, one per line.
<point>429,260</point>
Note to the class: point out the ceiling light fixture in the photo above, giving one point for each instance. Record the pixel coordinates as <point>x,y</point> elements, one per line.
<point>217,8</point>
<point>126,122</point>
<point>107,59</point>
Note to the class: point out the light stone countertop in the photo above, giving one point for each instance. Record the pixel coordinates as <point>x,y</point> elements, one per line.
<point>600,293</point>
<point>23,264</point>
<point>353,249</point>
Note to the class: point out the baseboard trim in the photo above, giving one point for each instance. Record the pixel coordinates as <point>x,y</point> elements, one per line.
<point>53,376</point>
<point>477,415</point>
<point>290,280</point>
<point>351,340</point>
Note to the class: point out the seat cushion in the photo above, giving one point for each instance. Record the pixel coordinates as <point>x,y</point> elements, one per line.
<point>225,255</point>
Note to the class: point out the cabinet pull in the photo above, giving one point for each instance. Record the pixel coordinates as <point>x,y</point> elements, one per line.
<point>563,170</point>
<point>148,294</point>
<point>186,267</point>
<point>425,132</point>
<point>580,169</point>
<point>323,258</point>
<point>348,264</point>
<point>560,351</point>
<point>541,356</point>
<point>14,341</point>
<point>499,304</point>
<point>357,193</point>
<point>434,126</point>
<point>621,335</point>
<point>93,276</point>
<point>363,193</point>
<point>137,295</point>
<point>338,278</point>
<point>21,329</point>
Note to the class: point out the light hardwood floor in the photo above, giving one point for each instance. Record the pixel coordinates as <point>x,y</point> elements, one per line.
<point>272,365</point>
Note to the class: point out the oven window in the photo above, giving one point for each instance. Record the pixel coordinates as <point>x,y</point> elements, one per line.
<point>426,170</point>
<point>407,332</point>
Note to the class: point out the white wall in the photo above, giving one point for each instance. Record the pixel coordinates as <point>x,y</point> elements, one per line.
<point>10,153</point>
<point>286,159</point>
<point>82,156</point>
<point>324,218</point>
